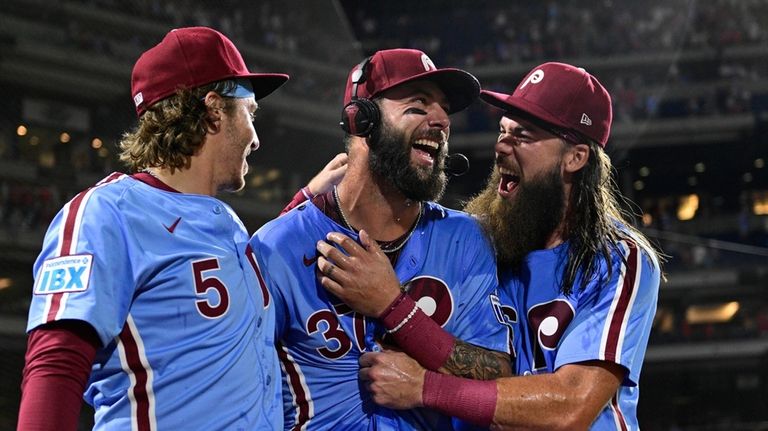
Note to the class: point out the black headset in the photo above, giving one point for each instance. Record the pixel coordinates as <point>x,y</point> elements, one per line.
<point>360,116</point>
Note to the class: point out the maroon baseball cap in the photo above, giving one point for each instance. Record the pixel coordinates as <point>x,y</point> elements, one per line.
<point>563,96</point>
<point>392,67</point>
<point>188,58</point>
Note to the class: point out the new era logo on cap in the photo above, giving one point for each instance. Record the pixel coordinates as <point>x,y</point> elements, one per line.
<point>561,95</point>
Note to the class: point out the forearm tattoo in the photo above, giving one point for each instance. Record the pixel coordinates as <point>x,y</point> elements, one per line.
<point>477,363</point>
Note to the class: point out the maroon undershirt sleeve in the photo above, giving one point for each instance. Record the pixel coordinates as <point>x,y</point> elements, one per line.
<point>300,196</point>
<point>58,364</point>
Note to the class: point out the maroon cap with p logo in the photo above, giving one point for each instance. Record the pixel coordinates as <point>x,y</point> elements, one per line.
<point>391,67</point>
<point>561,95</point>
<point>191,57</point>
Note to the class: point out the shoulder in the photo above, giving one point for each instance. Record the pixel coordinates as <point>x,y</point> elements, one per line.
<point>633,247</point>
<point>449,217</point>
<point>291,226</point>
<point>103,195</point>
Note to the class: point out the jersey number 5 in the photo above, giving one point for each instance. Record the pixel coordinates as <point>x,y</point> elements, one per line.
<point>207,308</point>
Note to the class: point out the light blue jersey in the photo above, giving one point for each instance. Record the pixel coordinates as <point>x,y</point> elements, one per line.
<point>447,265</point>
<point>610,320</point>
<point>167,282</point>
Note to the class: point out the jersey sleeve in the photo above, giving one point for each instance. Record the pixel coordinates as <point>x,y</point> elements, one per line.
<point>613,319</point>
<point>84,270</point>
<point>476,321</point>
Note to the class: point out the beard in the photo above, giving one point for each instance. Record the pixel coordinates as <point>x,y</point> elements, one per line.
<point>525,223</point>
<point>390,160</point>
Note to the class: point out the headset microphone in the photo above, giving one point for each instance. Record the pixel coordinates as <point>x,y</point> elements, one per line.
<point>456,164</point>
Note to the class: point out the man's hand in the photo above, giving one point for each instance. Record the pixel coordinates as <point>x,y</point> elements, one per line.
<point>394,379</point>
<point>358,274</point>
<point>329,176</point>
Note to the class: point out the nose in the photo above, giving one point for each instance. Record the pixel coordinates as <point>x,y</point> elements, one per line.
<point>255,142</point>
<point>505,145</point>
<point>438,118</point>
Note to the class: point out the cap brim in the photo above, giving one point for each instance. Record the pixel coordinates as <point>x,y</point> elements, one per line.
<point>461,88</point>
<point>265,83</point>
<point>520,106</point>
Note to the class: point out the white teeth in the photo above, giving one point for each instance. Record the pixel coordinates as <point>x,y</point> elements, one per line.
<point>505,171</point>
<point>427,143</point>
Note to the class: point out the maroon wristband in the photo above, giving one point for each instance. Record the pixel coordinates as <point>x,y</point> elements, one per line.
<point>417,334</point>
<point>397,311</point>
<point>471,400</point>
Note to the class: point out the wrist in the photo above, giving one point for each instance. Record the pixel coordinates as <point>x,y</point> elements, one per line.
<point>397,310</point>
<point>470,400</point>
<point>416,333</point>
<point>308,192</point>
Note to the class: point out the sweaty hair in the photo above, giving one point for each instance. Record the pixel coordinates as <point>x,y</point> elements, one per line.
<point>171,131</point>
<point>596,221</point>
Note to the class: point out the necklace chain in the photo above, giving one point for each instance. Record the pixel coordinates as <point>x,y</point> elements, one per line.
<point>385,250</point>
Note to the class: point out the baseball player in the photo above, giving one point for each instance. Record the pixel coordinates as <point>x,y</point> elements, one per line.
<point>579,283</point>
<point>146,298</point>
<point>397,125</point>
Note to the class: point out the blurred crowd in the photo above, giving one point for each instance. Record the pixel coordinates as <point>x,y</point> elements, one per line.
<point>683,43</point>
<point>531,32</point>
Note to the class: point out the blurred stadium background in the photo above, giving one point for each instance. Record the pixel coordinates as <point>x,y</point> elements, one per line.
<point>690,143</point>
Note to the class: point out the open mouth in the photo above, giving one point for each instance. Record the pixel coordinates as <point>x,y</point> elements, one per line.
<point>508,183</point>
<point>426,149</point>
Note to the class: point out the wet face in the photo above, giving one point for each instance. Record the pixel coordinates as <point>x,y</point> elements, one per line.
<point>408,149</point>
<point>524,200</point>
<point>524,151</point>
<point>240,139</point>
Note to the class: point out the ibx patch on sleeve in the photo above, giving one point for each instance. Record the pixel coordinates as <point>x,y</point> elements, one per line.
<point>64,274</point>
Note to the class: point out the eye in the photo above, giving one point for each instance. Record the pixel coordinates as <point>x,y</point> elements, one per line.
<point>414,110</point>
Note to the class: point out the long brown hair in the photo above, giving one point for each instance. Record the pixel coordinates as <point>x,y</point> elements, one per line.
<point>598,219</point>
<point>171,131</point>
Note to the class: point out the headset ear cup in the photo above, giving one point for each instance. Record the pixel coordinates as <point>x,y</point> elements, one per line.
<point>360,117</point>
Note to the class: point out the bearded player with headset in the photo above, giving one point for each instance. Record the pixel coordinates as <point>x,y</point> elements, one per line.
<point>397,127</point>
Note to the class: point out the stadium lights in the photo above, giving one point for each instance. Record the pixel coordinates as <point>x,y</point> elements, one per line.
<point>717,313</point>
<point>760,205</point>
<point>688,207</point>
<point>5,283</point>
<point>21,130</point>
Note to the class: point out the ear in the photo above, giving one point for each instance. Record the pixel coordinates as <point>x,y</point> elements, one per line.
<point>215,107</point>
<point>575,158</point>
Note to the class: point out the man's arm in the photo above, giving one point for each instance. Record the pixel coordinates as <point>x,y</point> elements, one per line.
<point>321,183</point>
<point>568,399</point>
<point>58,363</point>
<point>364,279</point>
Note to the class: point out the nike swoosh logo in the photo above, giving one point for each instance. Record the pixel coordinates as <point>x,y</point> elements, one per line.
<point>309,262</point>
<point>172,227</point>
